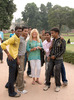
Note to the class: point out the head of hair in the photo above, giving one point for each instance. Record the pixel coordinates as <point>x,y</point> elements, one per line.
<point>34,30</point>
<point>24,27</point>
<point>17,27</point>
<point>55,30</point>
<point>48,33</point>
<point>12,30</point>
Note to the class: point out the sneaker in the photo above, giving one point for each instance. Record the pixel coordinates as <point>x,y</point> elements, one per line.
<point>22,92</point>
<point>46,88</point>
<point>15,95</point>
<point>30,76</point>
<point>65,83</point>
<point>57,89</point>
<point>1,61</point>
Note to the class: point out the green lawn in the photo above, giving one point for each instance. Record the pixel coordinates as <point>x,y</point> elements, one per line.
<point>69,47</point>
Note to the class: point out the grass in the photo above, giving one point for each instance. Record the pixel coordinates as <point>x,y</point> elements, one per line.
<point>69,47</point>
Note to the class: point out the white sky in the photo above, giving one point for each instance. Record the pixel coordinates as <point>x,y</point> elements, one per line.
<point>20,4</point>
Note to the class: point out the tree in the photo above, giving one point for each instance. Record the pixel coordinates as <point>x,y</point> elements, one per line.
<point>31,15</point>
<point>44,14</point>
<point>7,8</point>
<point>59,16</point>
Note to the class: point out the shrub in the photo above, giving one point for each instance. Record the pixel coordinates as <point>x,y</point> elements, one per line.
<point>69,57</point>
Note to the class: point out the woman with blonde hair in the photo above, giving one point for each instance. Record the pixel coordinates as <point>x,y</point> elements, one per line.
<point>34,45</point>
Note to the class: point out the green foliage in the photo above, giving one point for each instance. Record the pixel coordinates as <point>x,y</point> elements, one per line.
<point>35,17</point>
<point>7,8</point>
<point>69,57</point>
<point>59,16</point>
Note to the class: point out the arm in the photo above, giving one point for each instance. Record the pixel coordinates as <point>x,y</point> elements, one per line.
<point>4,44</point>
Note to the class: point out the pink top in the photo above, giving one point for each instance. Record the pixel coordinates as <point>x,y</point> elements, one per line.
<point>46,46</point>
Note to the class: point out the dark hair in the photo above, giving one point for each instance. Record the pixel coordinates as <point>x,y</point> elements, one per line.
<point>17,27</point>
<point>48,33</point>
<point>55,29</point>
<point>12,30</point>
<point>24,27</point>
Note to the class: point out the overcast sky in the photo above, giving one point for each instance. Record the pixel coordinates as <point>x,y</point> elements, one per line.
<point>20,4</point>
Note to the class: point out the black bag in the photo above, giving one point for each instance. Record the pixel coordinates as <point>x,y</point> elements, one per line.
<point>42,53</point>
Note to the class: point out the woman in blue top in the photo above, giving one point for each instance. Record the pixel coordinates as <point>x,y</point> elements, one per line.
<point>34,45</point>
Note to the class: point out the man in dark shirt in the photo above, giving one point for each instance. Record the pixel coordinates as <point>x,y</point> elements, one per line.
<point>55,59</point>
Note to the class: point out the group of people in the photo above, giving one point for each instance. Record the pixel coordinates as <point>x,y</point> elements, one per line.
<point>25,45</point>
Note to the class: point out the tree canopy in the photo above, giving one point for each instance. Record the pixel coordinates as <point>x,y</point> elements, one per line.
<point>48,16</point>
<point>7,8</point>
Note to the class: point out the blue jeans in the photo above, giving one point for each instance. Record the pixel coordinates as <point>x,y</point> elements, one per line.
<point>63,73</point>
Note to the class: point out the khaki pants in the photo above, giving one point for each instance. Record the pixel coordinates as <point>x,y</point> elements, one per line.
<point>20,77</point>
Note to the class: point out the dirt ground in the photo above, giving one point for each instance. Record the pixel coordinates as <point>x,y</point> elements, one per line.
<point>35,92</point>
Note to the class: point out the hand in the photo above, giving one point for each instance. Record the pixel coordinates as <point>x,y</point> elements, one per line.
<point>50,48</point>
<point>52,57</point>
<point>34,48</point>
<point>10,57</point>
<point>39,47</point>
<point>48,59</point>
<point>18,61</point>
<point>61,38</point>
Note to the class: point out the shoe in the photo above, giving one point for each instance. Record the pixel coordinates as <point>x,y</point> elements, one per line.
<point>15,95</point>
<point>57,89</point>
<point>1,61</point>
<point>38,82</point>
<point>46,88</point>
<point>30,76</point>
<point>22,92</point>
<point>65,83</point>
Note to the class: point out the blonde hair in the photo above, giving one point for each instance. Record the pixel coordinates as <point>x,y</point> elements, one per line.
<point>34,30</point>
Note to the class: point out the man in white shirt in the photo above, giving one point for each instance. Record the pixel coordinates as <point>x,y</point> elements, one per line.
<point>46,46</point>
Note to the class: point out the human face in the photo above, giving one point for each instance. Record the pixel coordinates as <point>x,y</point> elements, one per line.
<point>25,32</point>
<point>34,34</point>
<point>18,32</point>
<point>13,32</point>
<point>54,34</point>
<point>48,36</point>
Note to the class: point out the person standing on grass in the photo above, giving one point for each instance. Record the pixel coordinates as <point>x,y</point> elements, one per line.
<point>21,55</point>
<point>12,59</point>
<point>34,45</point>
<point>55,60</point>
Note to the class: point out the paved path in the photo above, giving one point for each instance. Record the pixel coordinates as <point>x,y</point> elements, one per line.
<point>35,92</point>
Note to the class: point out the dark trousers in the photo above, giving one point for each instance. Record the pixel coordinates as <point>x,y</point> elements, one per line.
<point>12,76</point>
<point>56,64</point>
<point>63,73</point>
<point>29,67</point>
<point>1,54</point>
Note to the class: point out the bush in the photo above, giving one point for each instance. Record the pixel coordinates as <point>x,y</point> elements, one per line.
<point>69,57</point>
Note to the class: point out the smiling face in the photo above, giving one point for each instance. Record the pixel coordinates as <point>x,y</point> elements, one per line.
<point>25,32</point>
<point>54,34</point>
<point>34,34</point>
<point>18,32</point>
<point>47,36</point>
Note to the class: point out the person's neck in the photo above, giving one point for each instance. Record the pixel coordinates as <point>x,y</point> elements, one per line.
<point>57,37</point>
<point>17,35</point>
<point>34,39</point>
<point>48,40</point>
<point>23,36</point>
